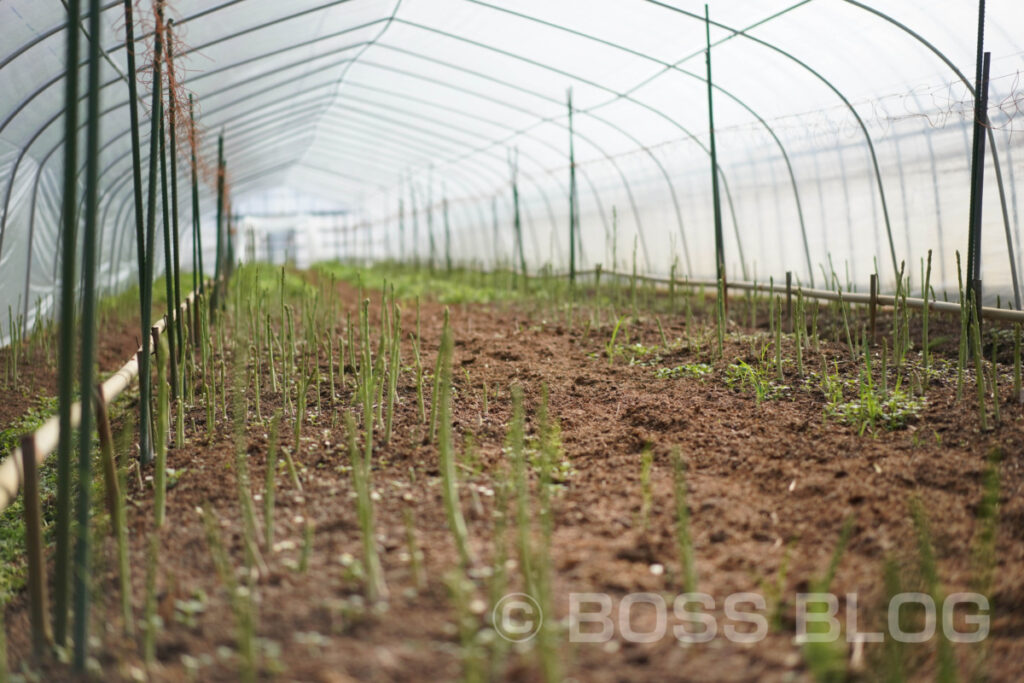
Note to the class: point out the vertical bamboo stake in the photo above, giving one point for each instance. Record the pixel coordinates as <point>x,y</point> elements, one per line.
<point>34,548</point>
<point>66,352</point>
<point>88,341</point>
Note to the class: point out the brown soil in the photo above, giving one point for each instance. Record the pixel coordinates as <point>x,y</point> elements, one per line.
<point>762,479</point>
<point>37,372</point>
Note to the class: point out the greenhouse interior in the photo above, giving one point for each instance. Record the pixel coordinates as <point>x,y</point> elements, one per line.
<point>536,340</point>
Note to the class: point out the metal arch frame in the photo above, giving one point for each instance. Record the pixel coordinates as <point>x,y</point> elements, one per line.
<point>541,121</point>
<point>653,110</point>
<point>991,138</point>
<point>860,122</point>
<point>114,5</point>
<point>529,177</point>
<point>280,20</point>
<point>676,9</point>
<point>258,129</point>
<point>355,111</point>
<point>46,158</point>
<point>674,67</point>
<point>115,138</point>
<point>312,103</point>
<point>505,126</point>
<point>526,131</point>
<point>116,186</point>
<point>256,77</point>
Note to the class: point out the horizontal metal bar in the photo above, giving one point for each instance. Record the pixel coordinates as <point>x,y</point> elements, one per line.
<point>989,312</point>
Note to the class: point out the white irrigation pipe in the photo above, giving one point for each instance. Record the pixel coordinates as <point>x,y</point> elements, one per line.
<point>46,437</point>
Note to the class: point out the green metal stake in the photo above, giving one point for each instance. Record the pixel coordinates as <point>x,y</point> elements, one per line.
<point>573,207</point>
<point>447,237</point>
<point>172,111</point>
<point>494,224</point>
<point>88,340</point>
<point>168,265</point>
<point>977,156</point>
<point>197,237</point>
<point>401,230</point>
<point>146,281</point>
<point>218,260</point>
<point>719,242</point>
<point>65,361</point>
<point>430,223</point>
<point>513,162</point>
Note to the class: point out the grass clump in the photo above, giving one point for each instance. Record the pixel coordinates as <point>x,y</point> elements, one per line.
<point>688,370</point>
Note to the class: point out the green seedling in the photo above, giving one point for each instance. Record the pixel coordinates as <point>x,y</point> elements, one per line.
<point>1016,363</point>
<point>449,477</point>
<point>160,435</point>
<point>609,348</point>
<point>413,548</point>
<point>930,574</point>
<point>270,484</point>
<point>646,497</point>
<point>995,382</point>
<point>979,371</point>
<point>827,659</point>
<point>239,597</point>
<point>684,539</point>
<point>150,619</point>
<point>376,587</point>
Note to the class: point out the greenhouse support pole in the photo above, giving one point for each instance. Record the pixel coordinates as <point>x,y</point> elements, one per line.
<point>401,229</point>
<point>146,283</point>
<point>415,225</point>
<point>494,229</point>
<point>430,219</point>
<point>197,237</point>
<point>168,265</point>
<point>977,156</point>
<point>513,162</point>
<point>87,354</point>
<point>172,122</point>
<point>977,179</point>
<point>573,208</point>
<point>716,198</point>
<point>66,355</point>
<point>219,258</point>
<point>447,236</point>
<point>133,111</point>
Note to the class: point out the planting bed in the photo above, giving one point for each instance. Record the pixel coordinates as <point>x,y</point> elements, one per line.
<point>772,483</point>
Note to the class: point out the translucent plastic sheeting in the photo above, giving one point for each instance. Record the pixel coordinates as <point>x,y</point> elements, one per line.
<point>844,132</point>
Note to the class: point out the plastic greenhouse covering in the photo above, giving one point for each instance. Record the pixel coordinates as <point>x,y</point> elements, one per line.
<point>362,128</point>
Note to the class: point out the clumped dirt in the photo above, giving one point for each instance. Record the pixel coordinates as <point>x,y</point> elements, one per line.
<point>37,372</point>
<point>770,488</point>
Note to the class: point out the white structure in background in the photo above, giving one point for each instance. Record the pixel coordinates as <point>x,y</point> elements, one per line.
<point>286,226</point>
